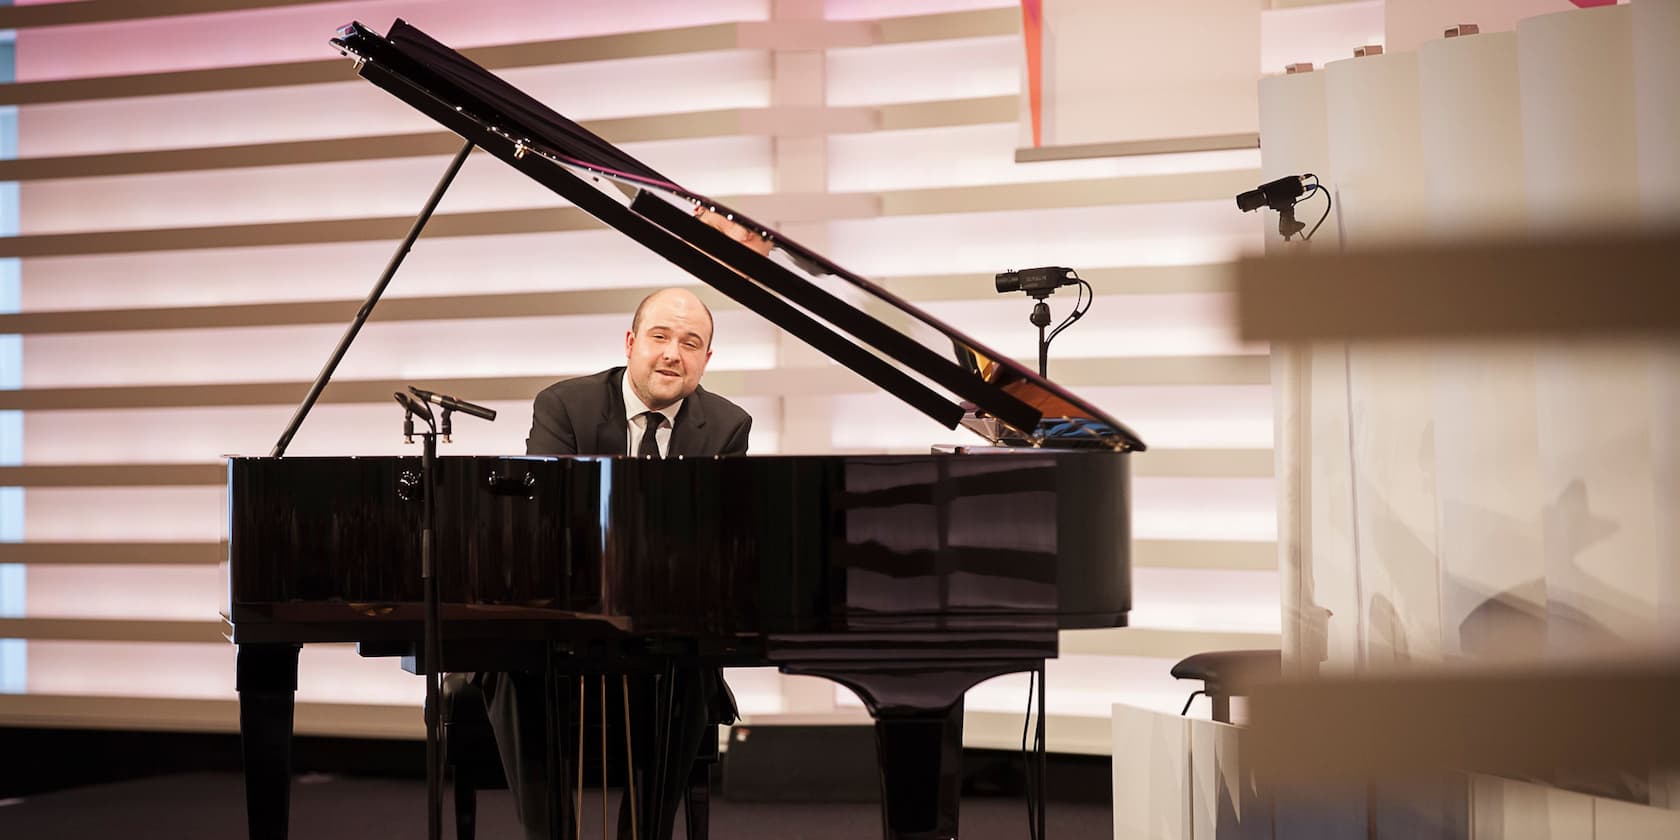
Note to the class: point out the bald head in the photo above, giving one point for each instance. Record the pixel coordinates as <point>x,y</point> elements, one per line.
<point>680,297</point>
<point>667,347</point>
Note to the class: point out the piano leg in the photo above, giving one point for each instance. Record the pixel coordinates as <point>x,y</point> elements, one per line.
<point>917,706</point>
<point>921,773</point>
<point>266,679</point>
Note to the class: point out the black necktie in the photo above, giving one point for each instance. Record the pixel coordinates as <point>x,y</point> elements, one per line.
<point>649,447</point>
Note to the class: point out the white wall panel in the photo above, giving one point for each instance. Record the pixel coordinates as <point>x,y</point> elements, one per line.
<point>921,72</point>
<point>1318,34</point>
<point>1106,66</point>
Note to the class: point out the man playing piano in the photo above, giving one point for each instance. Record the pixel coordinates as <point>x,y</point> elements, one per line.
<point>652,407</point>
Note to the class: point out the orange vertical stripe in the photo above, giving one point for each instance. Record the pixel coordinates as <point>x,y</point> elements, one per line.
<point>1032,29</point>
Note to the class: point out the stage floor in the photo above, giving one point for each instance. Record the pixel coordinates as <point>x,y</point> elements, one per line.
<point>210,806</point>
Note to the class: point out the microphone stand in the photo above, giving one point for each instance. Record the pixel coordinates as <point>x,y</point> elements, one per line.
<point>432,642</point>
<point>430,662</point>
<point>1041,319</point>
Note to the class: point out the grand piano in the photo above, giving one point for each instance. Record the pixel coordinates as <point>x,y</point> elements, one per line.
<point>908,579</point>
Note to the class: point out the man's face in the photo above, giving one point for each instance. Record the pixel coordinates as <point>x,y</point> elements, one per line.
<point>668,349</point>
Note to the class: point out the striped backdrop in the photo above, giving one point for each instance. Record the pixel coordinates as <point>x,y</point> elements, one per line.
<point>200,192</point>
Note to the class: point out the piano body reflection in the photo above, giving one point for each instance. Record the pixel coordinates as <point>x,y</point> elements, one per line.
<point>908,579</point>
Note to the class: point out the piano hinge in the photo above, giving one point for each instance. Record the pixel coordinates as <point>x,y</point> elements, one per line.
<point>519,149</point>
<point>361,61</point>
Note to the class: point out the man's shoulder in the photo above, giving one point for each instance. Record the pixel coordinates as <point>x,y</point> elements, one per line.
<point>579,389</point>
<point>581,384</point>
<point>720,408</point>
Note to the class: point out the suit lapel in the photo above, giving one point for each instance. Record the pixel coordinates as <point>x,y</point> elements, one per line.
<point>609,432</point>
<point>688,433</point>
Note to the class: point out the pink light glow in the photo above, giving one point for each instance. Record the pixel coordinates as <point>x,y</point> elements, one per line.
<point>326,673</point>
<point>300,33</point>
<point>353,108</point>
<point>407,349</point>
<point>395,187</point>
<point>593,259</point>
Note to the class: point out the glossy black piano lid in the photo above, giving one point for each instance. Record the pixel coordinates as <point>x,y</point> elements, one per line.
<point>715,547</point>
<point>439,81</point>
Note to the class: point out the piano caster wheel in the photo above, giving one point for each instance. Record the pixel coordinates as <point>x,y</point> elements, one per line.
<point>409,486</point>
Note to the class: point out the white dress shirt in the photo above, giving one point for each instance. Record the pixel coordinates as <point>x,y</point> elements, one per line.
<point>637,424</point>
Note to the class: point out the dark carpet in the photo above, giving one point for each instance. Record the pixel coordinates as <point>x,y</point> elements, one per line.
<point>201,806</point>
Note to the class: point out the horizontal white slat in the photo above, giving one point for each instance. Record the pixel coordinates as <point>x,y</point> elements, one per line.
<point>1162,644</point>
<point>173,714</point>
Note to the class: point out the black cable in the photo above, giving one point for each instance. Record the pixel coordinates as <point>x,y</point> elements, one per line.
<point>1027,760</point>
<point>1316,187</point>
<point>1080,305</point>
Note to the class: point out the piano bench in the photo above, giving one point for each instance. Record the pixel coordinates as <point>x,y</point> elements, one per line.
<point>469,749</point>
<point>1226,674</point>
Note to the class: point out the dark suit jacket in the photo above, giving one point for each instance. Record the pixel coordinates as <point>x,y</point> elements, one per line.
<point>585,416</point>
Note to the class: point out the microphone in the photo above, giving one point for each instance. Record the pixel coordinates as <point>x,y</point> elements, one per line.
<point>413,406</point>
<point>449,403</point>
<point>1033,280</point>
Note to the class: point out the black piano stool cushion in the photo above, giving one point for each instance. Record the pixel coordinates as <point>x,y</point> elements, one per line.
<point>1230,672</point>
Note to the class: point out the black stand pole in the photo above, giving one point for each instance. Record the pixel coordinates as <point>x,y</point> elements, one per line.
<point>362,314</point>
<point>430,661</point>
<point>433,643</point>
<point>1041,319</point>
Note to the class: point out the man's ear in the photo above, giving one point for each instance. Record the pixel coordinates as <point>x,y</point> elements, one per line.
<point>629,341</point>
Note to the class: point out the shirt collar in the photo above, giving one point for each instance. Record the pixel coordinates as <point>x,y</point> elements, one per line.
<point>634,406</point>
